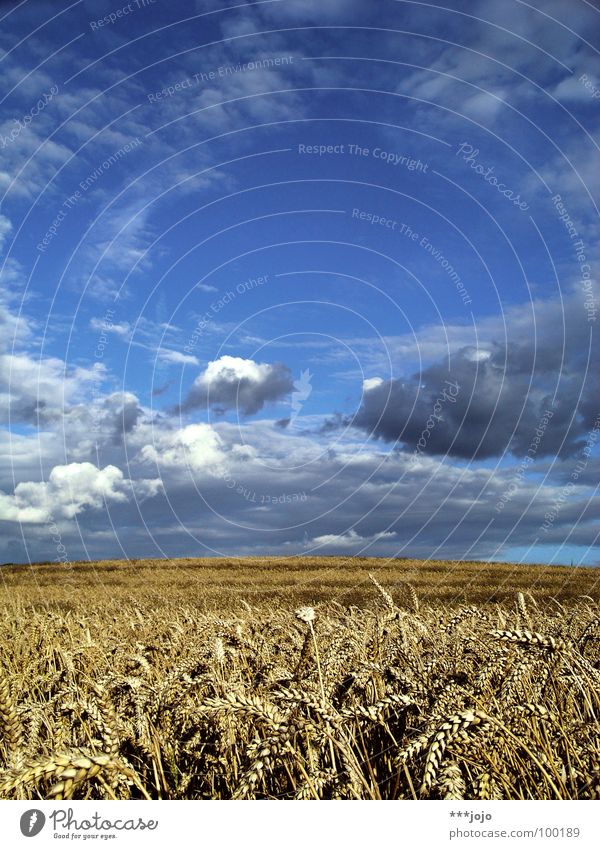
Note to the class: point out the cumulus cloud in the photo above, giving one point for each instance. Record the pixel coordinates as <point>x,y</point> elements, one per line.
<point>474,409</point>
<point>123,412</point>
<point>38,391</point>
<point>252,504</point>
<point>503,391</point>
<point>234,383</point>
<point>197,447</point>
<point>69,490</point>
<point>103,423</point>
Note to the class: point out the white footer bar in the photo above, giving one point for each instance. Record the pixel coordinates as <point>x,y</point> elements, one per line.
<point>301,825</point>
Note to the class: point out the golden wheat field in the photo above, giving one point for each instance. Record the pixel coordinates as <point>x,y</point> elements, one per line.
<point>325,678</point>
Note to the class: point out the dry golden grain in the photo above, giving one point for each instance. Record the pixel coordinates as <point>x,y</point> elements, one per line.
<point>168,694</point>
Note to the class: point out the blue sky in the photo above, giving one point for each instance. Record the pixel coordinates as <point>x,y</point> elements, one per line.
<point>295,277</point>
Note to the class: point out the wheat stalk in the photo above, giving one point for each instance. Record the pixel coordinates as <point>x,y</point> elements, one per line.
<point>10,725</point>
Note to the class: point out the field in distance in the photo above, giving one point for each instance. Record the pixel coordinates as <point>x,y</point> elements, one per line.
<point>213,583</point>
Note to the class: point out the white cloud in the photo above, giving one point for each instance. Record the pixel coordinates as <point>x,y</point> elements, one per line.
<point>477,355</point>
<point>235,383</point>
<point>176,357</point>
<point>31,389</point>
<point>571,89</point>
<point>68,491</point>
<point>15,328</point>
<point>484,106</point>
<point>5,230</point>
<point>121,329</point>
<point>349,540</point>
<point>197,447</point>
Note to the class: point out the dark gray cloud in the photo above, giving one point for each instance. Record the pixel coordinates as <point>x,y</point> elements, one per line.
<point>504,391</point>
<point>126,415</point>
<point>430,509</point>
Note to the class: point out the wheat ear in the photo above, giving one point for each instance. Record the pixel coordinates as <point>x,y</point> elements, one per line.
<point>10,725</point>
